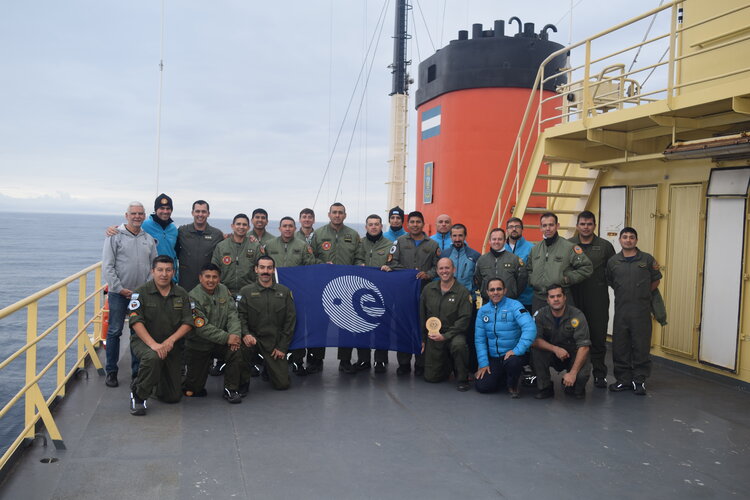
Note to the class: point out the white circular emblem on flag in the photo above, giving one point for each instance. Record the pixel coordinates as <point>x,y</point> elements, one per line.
<point>353,303</point>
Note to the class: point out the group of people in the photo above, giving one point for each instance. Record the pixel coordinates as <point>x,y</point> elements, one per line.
<point>199,301</point>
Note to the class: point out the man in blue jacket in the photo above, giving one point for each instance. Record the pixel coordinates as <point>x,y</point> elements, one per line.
<point>442,232</point>
<point>517,244</point>
<point>504,332</point>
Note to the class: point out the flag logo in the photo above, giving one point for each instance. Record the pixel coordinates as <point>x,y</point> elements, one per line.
<point>353,303</point>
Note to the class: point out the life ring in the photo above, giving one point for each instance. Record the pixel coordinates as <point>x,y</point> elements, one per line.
<point>105,316</point>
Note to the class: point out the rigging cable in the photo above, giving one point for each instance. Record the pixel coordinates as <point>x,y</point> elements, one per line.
<point>427,28</point>
<point>359,109</point>
<point>158,106</point>
<point>381,19</point>
<point>651,25</point>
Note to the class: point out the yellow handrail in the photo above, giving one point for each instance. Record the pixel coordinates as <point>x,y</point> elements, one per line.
<point>36,407</point>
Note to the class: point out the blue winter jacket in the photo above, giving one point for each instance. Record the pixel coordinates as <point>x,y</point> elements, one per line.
<point>523,249</point>
<point>166,238</point>
<point>465,261</point>
<point>393,235</point>
<point>444,240</point>
<point>501,327</point>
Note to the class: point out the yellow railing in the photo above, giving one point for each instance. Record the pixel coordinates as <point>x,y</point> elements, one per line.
<point>602,84</point>
<point>35,405</point>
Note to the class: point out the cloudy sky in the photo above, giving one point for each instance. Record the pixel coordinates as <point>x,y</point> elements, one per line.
<point>254,94</point>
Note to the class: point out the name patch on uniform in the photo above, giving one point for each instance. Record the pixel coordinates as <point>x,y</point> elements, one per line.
<point>207,237</point>
<point>347,238</point>
<point>574,322</point>
<point>507,264</point>
<point>381,252</point>
<point>451,299</point>
<point>226,260</point>
<point>326,245</point>
<point>199,322</point>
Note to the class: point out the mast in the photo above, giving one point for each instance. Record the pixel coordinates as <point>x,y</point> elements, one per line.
<point>399,109</point>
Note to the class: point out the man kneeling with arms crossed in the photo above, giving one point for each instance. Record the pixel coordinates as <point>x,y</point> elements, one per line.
<point>563,343</point>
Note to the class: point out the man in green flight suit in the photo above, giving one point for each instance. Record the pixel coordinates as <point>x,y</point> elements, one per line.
<point>236,255</point>
<point>414,250</point>
<point>376,249</point>
<point>290,251</point>
<point>449,301</point>
<point>268,318</point>
<point>500,263</point>
<point>195,244</point>
<point>633,275</point>
<point>216,327</point>
<point>591,295</point>
<point>160,316</point>
<point>335,243</point>
<point>555,261</point>
<point>260,221</point>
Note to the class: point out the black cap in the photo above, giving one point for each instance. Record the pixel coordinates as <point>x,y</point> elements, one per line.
<point>396,211</point>
<point>162,201</point>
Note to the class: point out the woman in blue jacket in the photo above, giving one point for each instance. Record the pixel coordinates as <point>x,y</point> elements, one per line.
<point>503,334</point>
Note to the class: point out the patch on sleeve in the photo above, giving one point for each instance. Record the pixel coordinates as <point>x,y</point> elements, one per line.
<point>655,265</point>
<point>132,314</point>
<point>199,322</point>
<point>486,319</point>
<point>326,245</point>
<point>574,322</point>
<point>393,249</point>
<point>134,304</point>
<point>520,262</point>
<point>227,259</point>
<point>523,311</point>
<point>578,250</point>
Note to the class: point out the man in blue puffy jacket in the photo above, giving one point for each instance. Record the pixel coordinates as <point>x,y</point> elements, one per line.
<point>504,332</point>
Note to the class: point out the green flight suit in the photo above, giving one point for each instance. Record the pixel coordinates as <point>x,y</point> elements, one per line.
<point>631,280</point>
<point>214,319</point>
<point>406,254</point>
<point>289,254</point>
<point>263,240</point>
<point>307,239</point>
<point>341,247</point>
<point>376,255</point>
<point>556,261</point>
<point>508,267</point>
<point>237,262</point>
<point>453,308</point>
<point>269,315</point>
<point>161,316</point>
<point>194,250</point>
<point>571,332</point>
<point>591,296</point>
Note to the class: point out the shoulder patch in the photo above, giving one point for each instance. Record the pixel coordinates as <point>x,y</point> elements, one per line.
<point>486,319</point>
<point>520,262</point>
<point>134,304</point>
<point>326,245</point>
<point>655,265</point>
<point>393,249</point>
<point>226,260</point>
<point>132,314</point>
<point>574,322</point>
<point>577,249</point>
<point>523,311</point>
<point>199,322</point>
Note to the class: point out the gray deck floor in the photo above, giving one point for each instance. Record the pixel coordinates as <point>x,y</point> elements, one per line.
<point>381,436</point>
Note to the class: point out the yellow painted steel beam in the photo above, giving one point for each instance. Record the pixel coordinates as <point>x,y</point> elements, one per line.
<point>741,104</point>
<point>62,306</point>
<point>622,160</point>
<point>31,327</point>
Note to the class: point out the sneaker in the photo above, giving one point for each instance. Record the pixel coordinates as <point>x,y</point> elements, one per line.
<point>137,405</point>
<point>380,367</point>
<point>362,366</point>
<point>314,367</point>
<point>545,393</point>
<point>347,367</point>
<point>403,370</point>
<point>462,386</point>
<point>244,390</point>
<point>111,380</point>
<point>418,371</point>
<point>600,382</point>
<point>621,386</point>
<point>195,394</point>
<point>639,388</point>
<point>231,396</point>
<point>298,369</point>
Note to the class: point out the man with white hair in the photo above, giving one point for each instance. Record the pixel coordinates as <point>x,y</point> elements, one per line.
<point>126,261</point>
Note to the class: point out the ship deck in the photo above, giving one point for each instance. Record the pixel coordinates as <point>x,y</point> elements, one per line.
<point>381,436</point>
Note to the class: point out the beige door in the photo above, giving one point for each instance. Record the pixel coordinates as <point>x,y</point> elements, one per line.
<point>643,215</point>
<point>680,282</point>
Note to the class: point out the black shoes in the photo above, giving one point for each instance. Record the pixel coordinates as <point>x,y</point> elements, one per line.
<point>380,367</point>
<point>231,396</point>
<point>600,382</point>
<point>403,370</point>
<point>621,386</point>
<point>418,371</point>
<point>347,367</point>
<point>639,388</point>
<point>137,405</point>
<point>545,393</point>
<point>314,367</point>
<point>111,379</point>
<point>216,368</point>
<point>298,368</point>
<point>244,389</point>
<point>361,366</point>
<point>462,386</point>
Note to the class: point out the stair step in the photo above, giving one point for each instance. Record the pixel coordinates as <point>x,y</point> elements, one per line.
<point>570,178</point>
<point>558,195</point>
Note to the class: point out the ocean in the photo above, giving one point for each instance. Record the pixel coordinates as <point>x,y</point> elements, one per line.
<point>38,250</point>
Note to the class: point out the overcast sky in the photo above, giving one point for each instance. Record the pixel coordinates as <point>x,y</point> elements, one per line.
<point>253,96</point>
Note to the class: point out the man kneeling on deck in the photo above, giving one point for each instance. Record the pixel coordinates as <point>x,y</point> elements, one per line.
<point>268,317</point>
<point>216,326</point>
<point>449,301</point>
<point>160,316</point>
<point>562,342</point>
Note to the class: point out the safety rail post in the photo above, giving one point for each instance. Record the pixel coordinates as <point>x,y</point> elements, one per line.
<point>97,307</point>
<point>671,64</point>
<point>31,327</point>
<point>81,319</point>
<point>588,101</point>
<point>62,309</point>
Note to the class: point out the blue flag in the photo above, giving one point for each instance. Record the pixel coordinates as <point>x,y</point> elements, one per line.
<point>354,306</point>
